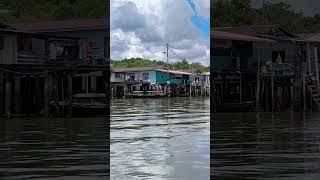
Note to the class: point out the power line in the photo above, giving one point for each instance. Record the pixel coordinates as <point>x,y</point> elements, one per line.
<point>188,51</point>
<point>176,54</point>
<point>137,44</point>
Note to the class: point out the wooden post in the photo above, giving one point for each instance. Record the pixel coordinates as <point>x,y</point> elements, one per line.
<point>93,84</point>
<point>304,86</point>
<point>309,58</point>
<point>69,94</point>
<point>8,97</point>
<point>17,95</point>
<point>240,88</point>
<point>1,94</point>
<point>316,64</point>
<point>291,94</point>
<point>85,83</point>
<point>272,89</point>
<point>258,85</point>
<point>46,95</point>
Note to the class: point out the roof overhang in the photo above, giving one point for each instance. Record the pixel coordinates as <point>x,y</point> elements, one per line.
<point>215,34</point>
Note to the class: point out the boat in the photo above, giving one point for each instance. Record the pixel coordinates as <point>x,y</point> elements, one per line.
<point>246,106</point>
<point>89,104</point>
<point>147,94</point>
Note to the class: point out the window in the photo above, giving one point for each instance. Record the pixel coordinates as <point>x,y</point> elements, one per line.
<point>161,76</point>
<point>117,75</point>
<point>93,44</point>
<point>275,56</point>
<point>25,44</point>
<point>145,76</point>
<point>1,42</point>
<point>132,77</point>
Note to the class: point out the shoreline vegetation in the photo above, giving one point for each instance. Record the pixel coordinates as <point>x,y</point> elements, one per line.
<point>139,62</point>
<point>14,11</point>
<point>241,13</point>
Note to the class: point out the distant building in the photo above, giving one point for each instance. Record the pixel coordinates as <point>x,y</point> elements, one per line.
<point>93,33</point>
<point>154,75</point>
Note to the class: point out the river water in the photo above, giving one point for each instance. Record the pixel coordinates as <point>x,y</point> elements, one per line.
<point>160,139</point>
<point>53,149</point>
<point>282,146</point>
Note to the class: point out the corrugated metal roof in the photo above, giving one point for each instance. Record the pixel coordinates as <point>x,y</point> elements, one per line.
<point>65,25</point>
<point>179,72</point>
<point>309,37</point>
<point>216,34</point>
<point>138,69</point>
<point>33,34</point>
<point>258,30</point>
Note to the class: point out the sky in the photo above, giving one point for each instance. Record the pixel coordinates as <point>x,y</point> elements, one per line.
<point>141,28</point>
<point>307,7</point>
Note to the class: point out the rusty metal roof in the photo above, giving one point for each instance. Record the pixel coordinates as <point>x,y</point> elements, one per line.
<point>138,69</point>
<point>258,30</point>
<point>217,34</point>
<point>309,37</point>
<point>64,25</point>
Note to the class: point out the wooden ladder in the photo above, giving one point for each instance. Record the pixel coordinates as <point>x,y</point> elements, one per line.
<point>314,91</point>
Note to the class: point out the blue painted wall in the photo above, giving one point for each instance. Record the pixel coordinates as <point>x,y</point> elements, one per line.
<point>98,36</point>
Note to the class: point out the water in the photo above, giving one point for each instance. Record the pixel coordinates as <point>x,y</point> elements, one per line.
<point>281,146</point>
<point>160,139</point>
<point>53,149</point>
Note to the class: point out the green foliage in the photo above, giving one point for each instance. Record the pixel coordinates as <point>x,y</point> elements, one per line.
<point>139,62</point>
<point>240,13</point>
<point>12,11</point>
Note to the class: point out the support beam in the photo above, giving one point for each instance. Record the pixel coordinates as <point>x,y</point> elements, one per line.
<point>258,85</point>
<point>17,95</point>
<point>93,84</point>
<point>85,84</point>
<point>69,94</point>
<point>309,57</point>
<point>46,95</point>
<point>1,94</point>
<point>304,86</point>
<point>316,65</point>
<point>8,97</point>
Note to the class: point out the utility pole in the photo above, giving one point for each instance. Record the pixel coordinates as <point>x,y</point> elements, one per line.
<point>167,53</point>
<point>168,79</point>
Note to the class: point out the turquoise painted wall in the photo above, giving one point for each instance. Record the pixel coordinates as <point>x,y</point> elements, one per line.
<point>94,35</point>
<point>161,77</point>
<point>221,62</point>
<point>38,46</point>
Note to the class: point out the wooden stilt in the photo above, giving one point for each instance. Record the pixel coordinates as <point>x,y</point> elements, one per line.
<point>304,87</point>
<point>258,84</point>
<point>272,89</point>
<point>1,94</point>
<point>70,95</point>
<point>46,95</point>
<point>17,95</point>
<point>291,94</point>
<point>8,97</point>
<point>93,84</point>
<point>316,65</point>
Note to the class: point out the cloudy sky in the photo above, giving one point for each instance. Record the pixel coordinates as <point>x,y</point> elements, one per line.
<point>141,28</point>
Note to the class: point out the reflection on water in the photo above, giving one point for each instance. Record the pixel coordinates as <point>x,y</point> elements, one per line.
<point>160,139</point>
<point>266,146</point>
<point>53,149</point>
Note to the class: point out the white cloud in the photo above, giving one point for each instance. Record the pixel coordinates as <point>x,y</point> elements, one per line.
<point>157,22</point>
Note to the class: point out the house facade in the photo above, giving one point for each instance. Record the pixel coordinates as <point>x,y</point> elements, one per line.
<point>92,32</point>
<point>151,75</point>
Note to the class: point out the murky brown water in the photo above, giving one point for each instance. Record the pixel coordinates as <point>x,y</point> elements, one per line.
<point>53,149</point>
<point>282,146</point>
<point>160,139</point>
